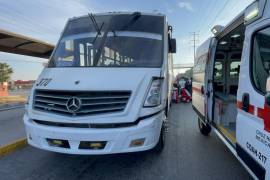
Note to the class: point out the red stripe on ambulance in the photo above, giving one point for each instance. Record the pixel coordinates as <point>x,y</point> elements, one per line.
<point>251,108</point>
<point>263,113</point>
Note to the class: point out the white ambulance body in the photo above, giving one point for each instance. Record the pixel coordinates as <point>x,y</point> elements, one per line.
<point>107,87</point>
<point>230,91</point>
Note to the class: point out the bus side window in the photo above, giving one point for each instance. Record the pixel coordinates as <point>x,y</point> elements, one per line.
<point>235,69</point>
<point>218,71</point>
<point>218,77</point>
<point>261,59</point>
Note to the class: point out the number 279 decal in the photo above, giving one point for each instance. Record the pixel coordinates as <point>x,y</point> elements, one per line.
<point>44,82</point>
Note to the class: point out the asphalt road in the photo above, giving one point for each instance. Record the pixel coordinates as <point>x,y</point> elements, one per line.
<point>187,155</point>
<point>11,126</point>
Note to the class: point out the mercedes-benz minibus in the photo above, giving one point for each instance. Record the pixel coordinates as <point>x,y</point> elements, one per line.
<point>106,88</point>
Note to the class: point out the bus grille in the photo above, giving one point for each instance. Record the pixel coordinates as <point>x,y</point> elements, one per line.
<point>80,103</point>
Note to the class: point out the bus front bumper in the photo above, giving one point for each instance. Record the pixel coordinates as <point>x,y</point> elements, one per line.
<point>140,137</point>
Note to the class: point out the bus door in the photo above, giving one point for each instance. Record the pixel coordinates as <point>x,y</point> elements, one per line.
<point>199,77</point>
<point>209,80</point>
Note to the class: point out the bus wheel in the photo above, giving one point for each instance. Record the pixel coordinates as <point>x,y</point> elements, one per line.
<point>161,142</point>
<point>204,129</point>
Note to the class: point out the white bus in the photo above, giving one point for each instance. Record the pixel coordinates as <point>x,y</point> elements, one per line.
<point>107,86</point>
<point>230,91</point>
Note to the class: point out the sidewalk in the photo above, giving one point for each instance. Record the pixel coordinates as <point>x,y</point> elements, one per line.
<point>11,125</point>
<point>12,99</point>
<point>11,102</point>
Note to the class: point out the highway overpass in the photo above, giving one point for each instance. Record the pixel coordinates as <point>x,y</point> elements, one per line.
<point>183,66</point>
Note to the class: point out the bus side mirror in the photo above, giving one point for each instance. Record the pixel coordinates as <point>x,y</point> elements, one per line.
<point>172,46</point>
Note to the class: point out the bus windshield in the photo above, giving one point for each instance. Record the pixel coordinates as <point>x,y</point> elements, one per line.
<point>129,42</point>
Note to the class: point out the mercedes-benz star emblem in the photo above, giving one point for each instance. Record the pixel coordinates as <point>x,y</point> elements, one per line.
<point>73,104</point>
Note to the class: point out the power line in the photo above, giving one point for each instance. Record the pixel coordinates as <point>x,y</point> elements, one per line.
<point>27,22</point>
<point>11,22</point>
<point>234,8</point>
<point>37,22</point>
<point>194,41</point>
<point>208,15</point>
<point>218,14</point>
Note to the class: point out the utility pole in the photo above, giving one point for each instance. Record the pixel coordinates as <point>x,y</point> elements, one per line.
<point>194,41</point>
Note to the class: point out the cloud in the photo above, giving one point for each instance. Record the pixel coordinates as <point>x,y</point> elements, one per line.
<point>186,5</point>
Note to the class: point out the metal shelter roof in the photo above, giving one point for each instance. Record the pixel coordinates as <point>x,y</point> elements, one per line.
<point>23,45</point>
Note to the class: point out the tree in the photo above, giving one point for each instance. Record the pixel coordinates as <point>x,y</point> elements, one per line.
<point>189,73</point>
<point>5,72</point>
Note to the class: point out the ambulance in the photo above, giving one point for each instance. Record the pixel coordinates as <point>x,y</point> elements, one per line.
<point>107,86</point>
<point>231,87</point>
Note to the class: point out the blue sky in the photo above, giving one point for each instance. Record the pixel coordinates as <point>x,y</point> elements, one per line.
<point>45,19</point>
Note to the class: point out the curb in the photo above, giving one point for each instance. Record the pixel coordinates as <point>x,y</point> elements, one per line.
<point>4,107</point>
<point>6,149</point>
<point>12,107</point>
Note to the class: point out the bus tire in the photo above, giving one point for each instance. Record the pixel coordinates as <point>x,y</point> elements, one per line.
<point>204,129</point>
<point>161,141</point>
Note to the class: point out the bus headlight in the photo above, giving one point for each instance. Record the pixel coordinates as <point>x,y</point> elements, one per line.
<point>153,97</point>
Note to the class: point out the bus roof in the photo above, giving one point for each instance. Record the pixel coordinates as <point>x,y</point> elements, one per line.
<point>119,13</point>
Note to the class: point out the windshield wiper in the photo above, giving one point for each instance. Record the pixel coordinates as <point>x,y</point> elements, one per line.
<point>94,21</point>
<point>98,29</point>
<point>134,17</point>
<point>102,43</point>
